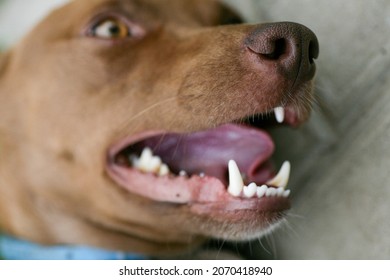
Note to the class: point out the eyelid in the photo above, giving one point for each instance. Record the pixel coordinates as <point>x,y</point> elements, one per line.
<point>136,30</point>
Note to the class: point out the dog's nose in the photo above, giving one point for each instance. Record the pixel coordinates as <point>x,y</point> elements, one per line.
<point>286,47</point>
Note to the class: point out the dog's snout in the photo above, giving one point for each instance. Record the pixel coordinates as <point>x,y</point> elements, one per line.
<point>286,47</point>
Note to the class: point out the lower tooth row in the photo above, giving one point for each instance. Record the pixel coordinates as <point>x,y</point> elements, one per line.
<point>149,163</point>
<point>253,190</point>
<point>237,189</point>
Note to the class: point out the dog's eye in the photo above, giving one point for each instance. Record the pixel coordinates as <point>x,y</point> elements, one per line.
<point>111,29</point>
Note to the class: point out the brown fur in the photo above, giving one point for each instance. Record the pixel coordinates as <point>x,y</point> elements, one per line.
<point>65,98</point>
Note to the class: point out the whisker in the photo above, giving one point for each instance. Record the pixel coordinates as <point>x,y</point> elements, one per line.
<point>145,111</point>
<point>271,241</point>
<point>220,248</point>
<point>263,246</point>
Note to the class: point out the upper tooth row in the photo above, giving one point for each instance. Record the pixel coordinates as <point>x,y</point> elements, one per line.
<point>237,188</point>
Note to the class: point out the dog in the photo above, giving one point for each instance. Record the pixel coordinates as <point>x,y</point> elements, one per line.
<point>139,125</point>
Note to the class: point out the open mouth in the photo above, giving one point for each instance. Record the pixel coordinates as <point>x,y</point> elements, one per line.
<point>227,164</point>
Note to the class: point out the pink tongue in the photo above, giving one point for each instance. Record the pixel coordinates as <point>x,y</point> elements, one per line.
<point>209,151</point>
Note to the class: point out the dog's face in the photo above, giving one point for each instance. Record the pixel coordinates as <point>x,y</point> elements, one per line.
<point>98,84</point>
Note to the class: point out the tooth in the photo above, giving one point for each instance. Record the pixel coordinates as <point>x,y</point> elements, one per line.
<point>183,173</point>
<point>279,114</point>
<point>250,190</point>
<point>279,192</point>
<point>202,175</point>
<point>164,170</point>
<point>281,180</point>
<point>270,192</point>
<point>145,160</point>
<point>155,164</point>
<point>236,183</point>
<point>146,154</point>
<point>261,191</point>
<point>286,193</point>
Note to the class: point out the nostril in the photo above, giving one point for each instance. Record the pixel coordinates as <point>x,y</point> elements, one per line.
<point>287,48</point>
<point>279,48</point>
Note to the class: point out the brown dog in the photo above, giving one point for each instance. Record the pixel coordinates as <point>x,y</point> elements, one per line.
<point>97,82</point>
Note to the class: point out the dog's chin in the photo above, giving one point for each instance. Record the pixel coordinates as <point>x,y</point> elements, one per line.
<point>194,171</point>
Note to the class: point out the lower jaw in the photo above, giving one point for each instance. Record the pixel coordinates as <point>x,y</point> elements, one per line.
<point>235,205</point>
<point>230,224</point>
<point>202,195</point>
<point>244,230</point>
<point>244,216</point>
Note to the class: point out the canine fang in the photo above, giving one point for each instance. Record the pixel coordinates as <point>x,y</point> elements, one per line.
<point>281,180</point>
<point>236,183</point>
<point>279,114</point>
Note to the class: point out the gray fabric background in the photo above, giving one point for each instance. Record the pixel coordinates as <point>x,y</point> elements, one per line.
<point>341,158</point>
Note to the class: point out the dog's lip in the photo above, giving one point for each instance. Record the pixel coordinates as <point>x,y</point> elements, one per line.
<point>232,209</point>
<point>116,148</point>
<point>291,118</point>
<point>199,192</point>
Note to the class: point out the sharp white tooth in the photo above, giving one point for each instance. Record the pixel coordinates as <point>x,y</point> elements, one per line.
<point>261,191</point>
<point>145,160</point>
<point>202,175</point>
<point>281,180</point>
<point>250,190</point>
<point>286,193</point>
<point>164,170</point>
<point>183,173</point>
<point>270,192</point>
<point>146,154</point>
<point>279,192</point>
<point>236,183</point>
<point>279,114</point>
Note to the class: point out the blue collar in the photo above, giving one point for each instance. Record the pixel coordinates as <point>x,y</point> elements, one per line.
<point>16,249</point>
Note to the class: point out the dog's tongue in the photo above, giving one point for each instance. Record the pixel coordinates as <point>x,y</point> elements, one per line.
<point>208,152</point>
